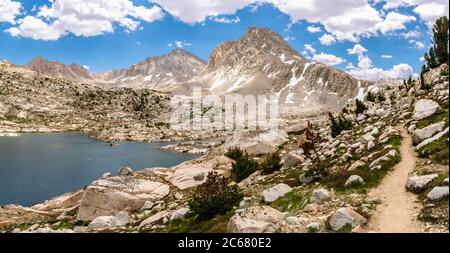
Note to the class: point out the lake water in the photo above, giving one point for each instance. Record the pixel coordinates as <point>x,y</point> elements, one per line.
<point>37,167</point>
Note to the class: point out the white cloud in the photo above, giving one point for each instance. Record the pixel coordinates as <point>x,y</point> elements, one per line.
<point>417,44</point>
<point>357,49</point>
<point>428,10</point>
<point>394,21</point>
<point>374,74</point>
<point>9,10</point>
<point>386,56</point>
<point>226,20</point>
<point>314,29</point>
<point>179,44</point>
<point>289,38</point>
<point>35,28</point>
<point>311,53</point>
<point>401,70</point>
<point>197,11</point>
<point>85,18</point>
<point>328,59</point>
<point>366,71</point>
<point>344,19</point>
<point>327,40</point>
<point>411,34</point>
<point>86,67</point>
<point>309,49</point>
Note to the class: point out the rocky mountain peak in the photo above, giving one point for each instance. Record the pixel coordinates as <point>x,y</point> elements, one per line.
<point>158,72</point>
<point>72,72</point>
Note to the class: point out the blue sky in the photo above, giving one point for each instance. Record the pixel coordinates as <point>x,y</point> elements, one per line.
<point>387,37</point>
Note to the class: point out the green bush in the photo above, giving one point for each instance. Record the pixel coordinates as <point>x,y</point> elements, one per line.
<point>243,167</point>
<point>271,163</point>
<point>338,125</point>
<point>360,107</point>
<point>234,153</point>
<point>371,97</point>
<point>215,196</point>
<point>381,97</point>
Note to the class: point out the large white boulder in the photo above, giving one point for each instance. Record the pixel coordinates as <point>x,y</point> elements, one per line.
<point>185,175</point>
<point>121,219</point>
<point>256,219</point>
<point>274,193</point>
<point>293,159</point>
<point>110,196</point>
<point>346,216</point>
<point>179,214</point>
<point>257,143</point>
<point>420,135</point>
<point>153,219</point>
<point>418,183</point>
<point>101,222</point>
<point>353,180</point>
<point>432,139</point>
<point>438,193</point>
<point>424,108</point>
<point>320,195</point>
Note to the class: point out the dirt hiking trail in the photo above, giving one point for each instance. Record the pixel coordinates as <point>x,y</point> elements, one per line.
<point>398,209</point>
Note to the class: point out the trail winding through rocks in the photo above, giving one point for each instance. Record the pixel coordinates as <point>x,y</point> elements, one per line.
<point>399,208</point>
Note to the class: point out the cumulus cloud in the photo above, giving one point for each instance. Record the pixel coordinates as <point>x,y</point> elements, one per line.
<point>226,20</point>
<point>9,10</point>
<point>394,21</point>
<point>311,53</point>
<point>428,10</point>
<point>84,18</point>
<point>289,38</point>
<point>417,44</point>
<point>357,49</point>
<point>386,56</point>
<point>402,71</point>
<point>411,34</point>
<point>328,59</point>
<point>179,44</point>
<point>310,48</point>
<point>344,19</point>
<point>198,11</point>
<point>314,29</point>
<point>35,28</point>
<point>366,71</point>
<point>327,40</point>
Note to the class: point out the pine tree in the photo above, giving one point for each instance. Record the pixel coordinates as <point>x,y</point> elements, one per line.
<point>335,128</point>
<point>440,41</point>
<point>360,107</point>
<point>431,59</point>
<point>370,97</point>
<point>423,84</point>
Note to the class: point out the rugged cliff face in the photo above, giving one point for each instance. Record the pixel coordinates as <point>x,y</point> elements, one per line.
<point>262,62</point>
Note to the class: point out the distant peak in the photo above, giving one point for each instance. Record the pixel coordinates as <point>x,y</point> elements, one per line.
<point>179,50</point>
<point>252,30</point>
<point>38,59</point>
